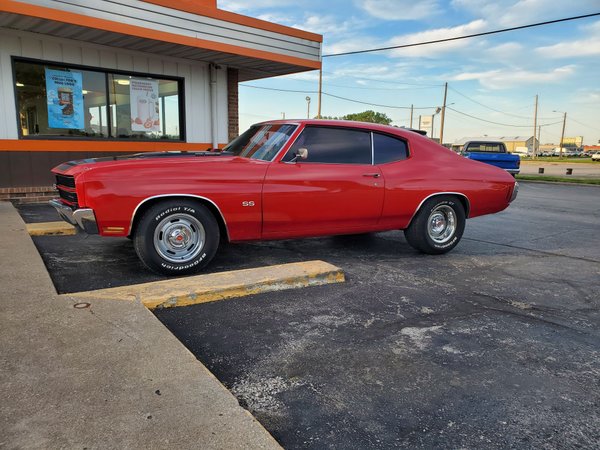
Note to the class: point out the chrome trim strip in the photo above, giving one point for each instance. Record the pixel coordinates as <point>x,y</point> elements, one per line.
<point>513,171</point>
<point>442,193</point>
<point>84,218</point>
<point>64,211</point>
<point>372,148</point>
<point>177,195</point>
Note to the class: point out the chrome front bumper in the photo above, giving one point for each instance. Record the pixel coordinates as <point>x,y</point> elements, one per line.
<point>514,192</point>
<point>83,218</point>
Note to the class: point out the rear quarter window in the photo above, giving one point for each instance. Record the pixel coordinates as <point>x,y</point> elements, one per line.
<point>388,149</point>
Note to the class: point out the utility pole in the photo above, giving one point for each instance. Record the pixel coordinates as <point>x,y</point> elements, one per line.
<point>444,115</point>
<point>562,135</point>
<point>320,90</point>
<point>539,135</point>
<point>535,126</point>
<point>411,115</point>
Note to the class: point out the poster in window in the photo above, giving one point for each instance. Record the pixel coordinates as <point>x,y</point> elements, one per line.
<point>144,105</point>
<point>64,95</point>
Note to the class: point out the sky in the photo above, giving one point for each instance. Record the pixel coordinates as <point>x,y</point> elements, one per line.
<point>490,79</point>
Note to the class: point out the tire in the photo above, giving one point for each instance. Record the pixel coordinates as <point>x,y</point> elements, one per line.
<point>438,226</point>
<point>176,237</point>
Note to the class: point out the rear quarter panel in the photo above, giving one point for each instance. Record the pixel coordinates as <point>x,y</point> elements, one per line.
<point>432,169</point>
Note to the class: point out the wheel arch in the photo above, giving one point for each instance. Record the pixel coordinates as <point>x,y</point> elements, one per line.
<point>462,197</point>
<point>145,204</point>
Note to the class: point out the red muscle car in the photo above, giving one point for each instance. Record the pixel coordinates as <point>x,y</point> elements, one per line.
<point>279,180</point>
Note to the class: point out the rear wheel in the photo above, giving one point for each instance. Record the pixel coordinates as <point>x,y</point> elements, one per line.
<point>438,226</point>
<point>176,237</point>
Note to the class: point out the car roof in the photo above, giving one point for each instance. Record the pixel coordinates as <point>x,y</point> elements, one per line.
<point>346,124</point>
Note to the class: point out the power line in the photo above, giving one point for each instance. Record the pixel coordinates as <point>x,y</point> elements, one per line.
<point>337,96</point>
<point>498,123</point>
<point>494,109</point>
<point>376,104</point>
<point>585,125</point>
<point>279,90</point>
<point>456,38</point>
<point>384,81</point>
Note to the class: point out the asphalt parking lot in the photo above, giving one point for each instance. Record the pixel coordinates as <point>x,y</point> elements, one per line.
<point>495,345</point>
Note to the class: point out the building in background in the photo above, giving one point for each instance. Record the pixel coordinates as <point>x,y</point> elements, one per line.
<point>573,142</point>
<point>89,78</point>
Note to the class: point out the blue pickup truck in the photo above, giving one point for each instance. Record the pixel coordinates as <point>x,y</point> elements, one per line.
<point>494,153</point>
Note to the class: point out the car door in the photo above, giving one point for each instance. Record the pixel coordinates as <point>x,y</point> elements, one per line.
<point>336,189</point>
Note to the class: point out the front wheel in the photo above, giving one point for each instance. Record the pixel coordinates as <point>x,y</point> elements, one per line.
<point>176,237</point>
<point>438,225</point>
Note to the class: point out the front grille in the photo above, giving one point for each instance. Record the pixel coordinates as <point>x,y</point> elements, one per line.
<point>64,180</point>
<point>66,189</point>
<point>71,197</point>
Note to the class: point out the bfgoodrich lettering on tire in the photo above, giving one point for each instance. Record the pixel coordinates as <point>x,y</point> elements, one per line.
<point>176,237</point>
<point>438,226</point>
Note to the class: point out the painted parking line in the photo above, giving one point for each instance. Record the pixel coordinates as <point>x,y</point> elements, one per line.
<point>221,286</point>
<point>51,229</point>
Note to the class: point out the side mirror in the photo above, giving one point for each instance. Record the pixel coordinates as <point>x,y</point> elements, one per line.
<point>301,153</point>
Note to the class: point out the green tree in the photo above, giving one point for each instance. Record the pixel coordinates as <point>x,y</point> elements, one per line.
<point>369,116</point>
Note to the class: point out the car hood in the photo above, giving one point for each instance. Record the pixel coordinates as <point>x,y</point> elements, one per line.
<point>140,159</point>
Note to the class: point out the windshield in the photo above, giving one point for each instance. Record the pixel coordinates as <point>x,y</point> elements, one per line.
<point>261,141</point>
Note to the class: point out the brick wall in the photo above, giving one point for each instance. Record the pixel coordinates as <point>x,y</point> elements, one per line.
<point>39,194</point>
<point>232,104</point>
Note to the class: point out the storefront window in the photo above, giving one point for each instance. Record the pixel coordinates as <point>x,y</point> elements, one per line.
<point>63,101</point>
<point>144,107</point>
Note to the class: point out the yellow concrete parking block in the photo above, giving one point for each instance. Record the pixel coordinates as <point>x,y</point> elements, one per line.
<point>51,229</point>
<point>223,285</point>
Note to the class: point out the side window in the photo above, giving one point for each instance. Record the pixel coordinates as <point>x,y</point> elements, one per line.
<point>388,149</point>
<point>333,146</point>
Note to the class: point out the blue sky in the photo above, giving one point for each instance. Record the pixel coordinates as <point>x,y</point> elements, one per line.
<point>493,78</point>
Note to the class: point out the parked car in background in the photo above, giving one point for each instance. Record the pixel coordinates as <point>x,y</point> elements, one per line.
<point>279,180</point>
<point>596,156</point>
<point>494,153</point>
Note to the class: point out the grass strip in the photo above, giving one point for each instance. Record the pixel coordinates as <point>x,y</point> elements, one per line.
<point>551,179</point>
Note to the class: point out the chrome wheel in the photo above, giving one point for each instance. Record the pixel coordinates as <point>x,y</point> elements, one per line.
<point>441,224</point>
<point>179,238</point>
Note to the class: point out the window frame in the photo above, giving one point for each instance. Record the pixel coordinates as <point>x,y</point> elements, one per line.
<point>331,128</point>
<point>180,91</point>
<point>371,135</point>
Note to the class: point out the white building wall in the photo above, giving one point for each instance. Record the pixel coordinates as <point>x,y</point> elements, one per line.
<point>196,78</point>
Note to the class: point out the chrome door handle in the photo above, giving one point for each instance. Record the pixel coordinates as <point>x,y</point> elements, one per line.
<point>373,175</point>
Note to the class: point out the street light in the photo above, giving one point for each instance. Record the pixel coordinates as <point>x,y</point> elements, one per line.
<point>562,135</point>
<point>307,107</point>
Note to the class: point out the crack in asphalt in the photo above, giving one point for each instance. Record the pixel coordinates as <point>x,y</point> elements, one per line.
<point>577,258</point>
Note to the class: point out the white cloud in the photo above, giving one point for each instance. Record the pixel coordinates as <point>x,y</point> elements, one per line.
<point>572,49</point>
<point>241,5</point>
<point>509,51</point>
<point>521,12</point>
<point>434,50</point>
<point>588,46</point>
<point>330,26</point>
<point>507,78</point>
<point>400,9</point>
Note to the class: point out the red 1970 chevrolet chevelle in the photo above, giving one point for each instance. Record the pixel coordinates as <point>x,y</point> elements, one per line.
<point>279,180</point>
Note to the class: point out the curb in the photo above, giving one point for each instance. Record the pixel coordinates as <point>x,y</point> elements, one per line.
<point>50,229</point>
<point>222,285</point>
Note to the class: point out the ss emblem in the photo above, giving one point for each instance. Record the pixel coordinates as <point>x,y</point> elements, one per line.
<point>250,203</point>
